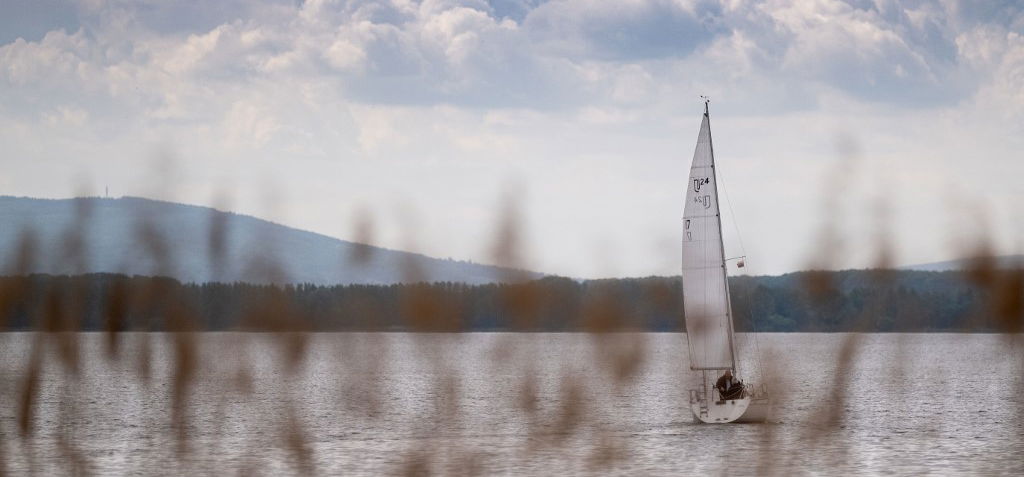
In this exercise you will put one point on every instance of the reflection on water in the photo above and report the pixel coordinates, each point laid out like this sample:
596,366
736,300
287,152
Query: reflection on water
483,403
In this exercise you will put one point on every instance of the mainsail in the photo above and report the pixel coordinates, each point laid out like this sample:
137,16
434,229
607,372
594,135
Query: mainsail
705,291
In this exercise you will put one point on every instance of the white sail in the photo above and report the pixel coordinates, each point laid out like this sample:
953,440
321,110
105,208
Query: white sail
705,291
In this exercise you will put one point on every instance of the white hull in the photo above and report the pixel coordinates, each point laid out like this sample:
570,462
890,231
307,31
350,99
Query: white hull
744,410
759,410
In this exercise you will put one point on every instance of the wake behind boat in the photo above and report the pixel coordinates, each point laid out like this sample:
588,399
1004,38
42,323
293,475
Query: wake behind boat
706,305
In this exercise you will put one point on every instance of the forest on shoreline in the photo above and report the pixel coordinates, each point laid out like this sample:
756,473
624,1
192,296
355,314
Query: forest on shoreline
814,301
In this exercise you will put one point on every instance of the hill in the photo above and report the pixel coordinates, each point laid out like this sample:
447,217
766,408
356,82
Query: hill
1003,262
192,244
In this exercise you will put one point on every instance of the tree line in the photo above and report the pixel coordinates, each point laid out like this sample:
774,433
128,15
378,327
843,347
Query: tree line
814,301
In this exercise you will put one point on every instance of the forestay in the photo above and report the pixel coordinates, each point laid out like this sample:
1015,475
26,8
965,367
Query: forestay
705,291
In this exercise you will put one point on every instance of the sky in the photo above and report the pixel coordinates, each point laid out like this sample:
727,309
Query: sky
841,128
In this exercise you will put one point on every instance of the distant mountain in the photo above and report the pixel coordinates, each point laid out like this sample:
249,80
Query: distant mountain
1005,261
136,236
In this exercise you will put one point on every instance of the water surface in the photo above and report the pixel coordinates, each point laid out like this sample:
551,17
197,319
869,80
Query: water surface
503,403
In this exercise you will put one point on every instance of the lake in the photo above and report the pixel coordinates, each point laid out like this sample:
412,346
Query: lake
504,403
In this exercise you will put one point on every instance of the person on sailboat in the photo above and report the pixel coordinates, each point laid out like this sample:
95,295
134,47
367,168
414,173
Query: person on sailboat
729,387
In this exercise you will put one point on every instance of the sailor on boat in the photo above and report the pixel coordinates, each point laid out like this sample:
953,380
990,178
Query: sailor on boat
729,387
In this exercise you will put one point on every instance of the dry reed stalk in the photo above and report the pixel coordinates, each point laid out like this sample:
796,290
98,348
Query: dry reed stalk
362,249
15,290
297,442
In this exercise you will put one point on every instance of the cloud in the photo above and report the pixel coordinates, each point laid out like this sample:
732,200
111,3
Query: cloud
997,57
57,57
552,55
628,30
344,55
879,52
66,115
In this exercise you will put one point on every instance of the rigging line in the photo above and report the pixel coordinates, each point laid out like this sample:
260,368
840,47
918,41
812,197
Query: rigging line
732,215
747,292
753,325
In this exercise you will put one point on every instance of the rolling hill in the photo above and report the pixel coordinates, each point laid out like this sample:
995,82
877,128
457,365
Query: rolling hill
136,236
1003,262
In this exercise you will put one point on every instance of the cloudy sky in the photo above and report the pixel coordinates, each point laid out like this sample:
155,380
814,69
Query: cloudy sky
852,120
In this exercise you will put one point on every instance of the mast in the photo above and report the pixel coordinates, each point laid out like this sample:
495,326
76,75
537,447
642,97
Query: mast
721,240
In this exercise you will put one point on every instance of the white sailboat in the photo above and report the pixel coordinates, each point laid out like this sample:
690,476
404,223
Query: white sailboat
706,305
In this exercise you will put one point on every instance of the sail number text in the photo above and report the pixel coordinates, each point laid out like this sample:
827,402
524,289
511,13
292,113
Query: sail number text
704,200
698,183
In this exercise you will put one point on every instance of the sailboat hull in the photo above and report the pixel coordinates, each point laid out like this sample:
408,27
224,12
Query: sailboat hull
745,410
759,410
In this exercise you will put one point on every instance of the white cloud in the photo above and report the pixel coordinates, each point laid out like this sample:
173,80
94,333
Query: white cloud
997,57
249,125
66,115
345,55
56,57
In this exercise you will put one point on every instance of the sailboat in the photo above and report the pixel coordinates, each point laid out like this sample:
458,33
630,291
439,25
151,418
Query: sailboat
706,306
